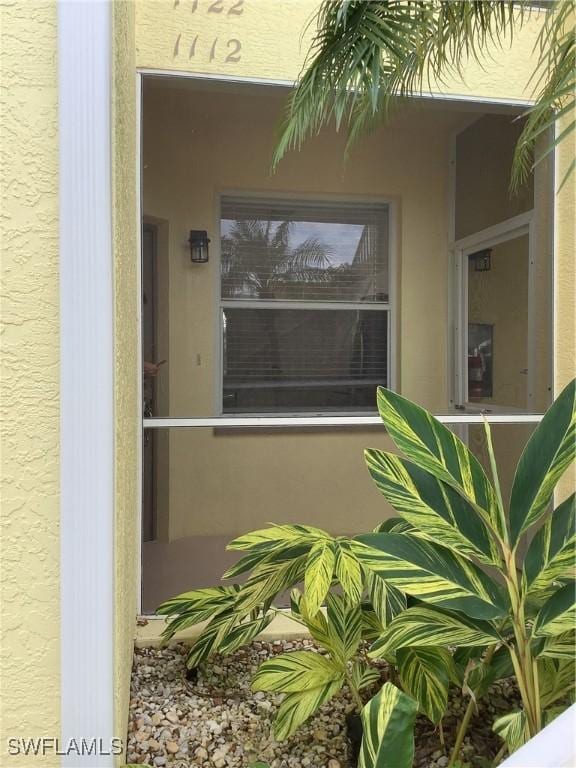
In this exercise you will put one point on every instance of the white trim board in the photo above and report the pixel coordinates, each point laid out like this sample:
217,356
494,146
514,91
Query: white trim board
282,83
335,420
87,385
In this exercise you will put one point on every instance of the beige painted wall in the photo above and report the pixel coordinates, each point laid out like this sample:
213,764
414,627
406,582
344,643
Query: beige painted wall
29,396
198,143
499,297
483,199
484,153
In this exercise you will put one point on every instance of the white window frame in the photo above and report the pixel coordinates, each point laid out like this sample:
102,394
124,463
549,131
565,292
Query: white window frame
510,229
383,306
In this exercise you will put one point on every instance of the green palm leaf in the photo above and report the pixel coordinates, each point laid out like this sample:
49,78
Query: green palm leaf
551,555
558,614
297,671
437,450
388,721
319,570
367,56
432,573
546,456
422,627
432,506
555,83
425,675
297,707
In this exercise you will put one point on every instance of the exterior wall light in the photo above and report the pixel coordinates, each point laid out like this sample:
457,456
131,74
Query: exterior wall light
198,241
481,260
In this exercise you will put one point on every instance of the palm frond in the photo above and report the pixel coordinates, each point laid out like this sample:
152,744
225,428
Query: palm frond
367,55
555,85
366,58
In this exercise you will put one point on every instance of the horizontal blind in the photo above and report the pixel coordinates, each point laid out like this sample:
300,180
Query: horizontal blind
289,359
304,250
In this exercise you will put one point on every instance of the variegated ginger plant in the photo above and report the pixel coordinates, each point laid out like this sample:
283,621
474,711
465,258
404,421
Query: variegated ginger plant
459,553
454,551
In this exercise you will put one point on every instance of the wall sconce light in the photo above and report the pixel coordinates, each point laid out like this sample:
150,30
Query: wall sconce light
198,241
482,260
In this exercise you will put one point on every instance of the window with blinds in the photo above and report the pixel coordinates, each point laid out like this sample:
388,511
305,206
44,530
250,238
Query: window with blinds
305,305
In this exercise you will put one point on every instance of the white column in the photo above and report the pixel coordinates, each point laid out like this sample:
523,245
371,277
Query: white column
554,747
87,437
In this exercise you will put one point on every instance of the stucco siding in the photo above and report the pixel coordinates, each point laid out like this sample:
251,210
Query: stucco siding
126,369
29,396
270,40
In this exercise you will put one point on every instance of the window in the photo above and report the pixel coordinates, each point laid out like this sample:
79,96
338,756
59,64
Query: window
305,305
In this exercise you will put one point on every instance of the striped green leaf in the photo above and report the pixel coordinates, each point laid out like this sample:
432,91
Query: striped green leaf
257,560
388,721
211,638
371,626
556,680
421,626
425,675
271,579
348,570
277,536
394,525
552,552
297,671
560,646
344,621
198,605
475,673
246,563
319,571
297,707
546,456
513,729
485,674
363,675
434,448
558,614
387,601
316,625
431,505
432,573
244,633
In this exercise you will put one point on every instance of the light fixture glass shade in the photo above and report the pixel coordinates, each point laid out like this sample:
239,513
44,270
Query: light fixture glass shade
198,242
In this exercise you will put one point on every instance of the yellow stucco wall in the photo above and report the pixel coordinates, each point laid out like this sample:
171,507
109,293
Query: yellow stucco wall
29,397
269,40
126,369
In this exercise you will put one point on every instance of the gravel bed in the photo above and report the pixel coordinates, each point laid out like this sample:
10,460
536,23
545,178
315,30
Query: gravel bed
214,720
